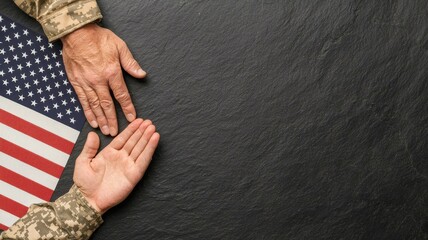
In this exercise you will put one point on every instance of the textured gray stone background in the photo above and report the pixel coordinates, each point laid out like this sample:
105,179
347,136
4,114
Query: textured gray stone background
279,119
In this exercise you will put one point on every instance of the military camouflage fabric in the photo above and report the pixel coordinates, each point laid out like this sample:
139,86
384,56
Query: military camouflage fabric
69,217
61,17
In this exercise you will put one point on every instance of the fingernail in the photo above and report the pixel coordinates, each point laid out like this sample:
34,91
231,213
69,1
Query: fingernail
130,117
113,132
93,124
104,130
141,72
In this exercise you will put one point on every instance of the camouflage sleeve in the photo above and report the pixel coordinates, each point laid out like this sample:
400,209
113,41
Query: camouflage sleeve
61,17
69,217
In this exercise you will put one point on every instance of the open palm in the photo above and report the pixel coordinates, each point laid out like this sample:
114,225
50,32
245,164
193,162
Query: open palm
107,178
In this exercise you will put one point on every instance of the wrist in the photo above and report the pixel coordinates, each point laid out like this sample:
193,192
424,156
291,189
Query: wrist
93,204
79,34
90,201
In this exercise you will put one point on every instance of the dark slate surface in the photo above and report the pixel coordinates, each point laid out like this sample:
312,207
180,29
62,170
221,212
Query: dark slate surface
279,120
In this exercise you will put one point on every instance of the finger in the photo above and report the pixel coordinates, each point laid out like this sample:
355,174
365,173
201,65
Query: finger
90,149
120,140
128,62
90,116
107,106
135,138
94,103
139,147
145,157
121,94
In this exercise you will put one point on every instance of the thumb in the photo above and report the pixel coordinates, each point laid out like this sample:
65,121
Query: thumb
128,62
90,148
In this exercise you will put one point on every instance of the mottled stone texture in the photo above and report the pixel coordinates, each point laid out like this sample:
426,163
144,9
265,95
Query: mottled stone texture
279,119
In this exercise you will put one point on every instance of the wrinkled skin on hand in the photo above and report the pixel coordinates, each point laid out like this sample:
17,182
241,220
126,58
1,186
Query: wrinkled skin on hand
94,58
106,179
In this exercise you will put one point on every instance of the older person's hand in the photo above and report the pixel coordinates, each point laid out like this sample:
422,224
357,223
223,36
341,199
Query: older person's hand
106,179
94,58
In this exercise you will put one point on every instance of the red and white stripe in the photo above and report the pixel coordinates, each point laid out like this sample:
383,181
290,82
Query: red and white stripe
34,150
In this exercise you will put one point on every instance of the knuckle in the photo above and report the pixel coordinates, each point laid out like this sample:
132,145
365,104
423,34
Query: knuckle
122,97
121,44
106,104
91,84
131,62
110,72
94,103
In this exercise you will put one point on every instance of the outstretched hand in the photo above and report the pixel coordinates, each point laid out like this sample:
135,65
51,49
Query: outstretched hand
94,58
107,178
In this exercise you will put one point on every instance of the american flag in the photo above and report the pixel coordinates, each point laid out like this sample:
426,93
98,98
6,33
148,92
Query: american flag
40,119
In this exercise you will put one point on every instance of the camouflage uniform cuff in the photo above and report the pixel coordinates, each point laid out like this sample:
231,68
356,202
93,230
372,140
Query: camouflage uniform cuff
69,18
76,215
